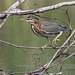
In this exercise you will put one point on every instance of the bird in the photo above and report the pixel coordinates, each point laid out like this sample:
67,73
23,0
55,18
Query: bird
45,29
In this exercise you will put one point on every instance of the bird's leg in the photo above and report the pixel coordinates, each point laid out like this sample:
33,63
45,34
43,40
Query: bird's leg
56,39
43,48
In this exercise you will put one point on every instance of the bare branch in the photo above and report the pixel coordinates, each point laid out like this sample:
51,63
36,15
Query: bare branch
4,21
61,61
16,4
40,10
47,65
14,11
69,46
60,73
69,20
41,68
26,47
12,8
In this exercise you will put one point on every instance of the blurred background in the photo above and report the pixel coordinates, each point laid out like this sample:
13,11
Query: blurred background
18,32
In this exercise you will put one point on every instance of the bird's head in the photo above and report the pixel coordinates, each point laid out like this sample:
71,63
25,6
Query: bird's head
32,19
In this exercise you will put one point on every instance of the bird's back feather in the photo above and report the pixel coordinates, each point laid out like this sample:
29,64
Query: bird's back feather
50,27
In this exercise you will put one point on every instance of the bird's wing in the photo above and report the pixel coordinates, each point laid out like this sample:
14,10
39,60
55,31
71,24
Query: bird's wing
50,27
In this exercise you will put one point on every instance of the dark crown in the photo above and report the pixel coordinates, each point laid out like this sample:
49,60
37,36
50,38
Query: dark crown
33,17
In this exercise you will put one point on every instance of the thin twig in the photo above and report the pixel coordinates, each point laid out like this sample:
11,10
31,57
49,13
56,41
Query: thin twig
64,52
4,21
61,61
40,69
14,11
69,46
53,19
26,47
69,20
12,8
61,46
40,10
57,52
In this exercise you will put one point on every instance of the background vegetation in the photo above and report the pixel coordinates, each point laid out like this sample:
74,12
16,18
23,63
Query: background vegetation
15,31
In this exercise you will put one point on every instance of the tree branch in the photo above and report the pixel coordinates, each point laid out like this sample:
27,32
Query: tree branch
26,47
68,47
13,8
47,65
41,68
39,10
14,11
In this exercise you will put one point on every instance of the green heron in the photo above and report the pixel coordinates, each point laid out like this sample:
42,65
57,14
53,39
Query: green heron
45,29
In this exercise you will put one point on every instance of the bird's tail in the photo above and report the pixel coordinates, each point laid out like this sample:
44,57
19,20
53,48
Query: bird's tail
64,28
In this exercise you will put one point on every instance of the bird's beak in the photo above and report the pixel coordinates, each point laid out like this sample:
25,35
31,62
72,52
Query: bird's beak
26,19
23,19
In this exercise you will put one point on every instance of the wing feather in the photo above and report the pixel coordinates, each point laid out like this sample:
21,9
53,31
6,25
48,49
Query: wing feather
50,27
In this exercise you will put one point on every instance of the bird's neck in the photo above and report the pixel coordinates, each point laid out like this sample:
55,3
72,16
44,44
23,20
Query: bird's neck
37,23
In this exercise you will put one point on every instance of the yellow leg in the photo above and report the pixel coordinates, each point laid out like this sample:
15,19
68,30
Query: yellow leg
56,39
43,48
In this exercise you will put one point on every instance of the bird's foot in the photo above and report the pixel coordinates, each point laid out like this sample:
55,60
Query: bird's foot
54,42
44,47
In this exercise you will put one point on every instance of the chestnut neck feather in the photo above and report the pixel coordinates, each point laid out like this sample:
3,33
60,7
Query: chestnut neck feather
37,23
